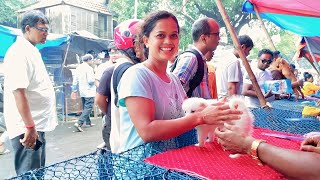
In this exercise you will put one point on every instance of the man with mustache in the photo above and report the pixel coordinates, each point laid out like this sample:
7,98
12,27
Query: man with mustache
29,97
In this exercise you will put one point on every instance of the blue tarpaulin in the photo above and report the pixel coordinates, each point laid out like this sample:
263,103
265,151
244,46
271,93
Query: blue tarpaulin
8,36
56,46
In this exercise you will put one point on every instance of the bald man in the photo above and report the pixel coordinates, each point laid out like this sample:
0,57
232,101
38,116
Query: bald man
206,36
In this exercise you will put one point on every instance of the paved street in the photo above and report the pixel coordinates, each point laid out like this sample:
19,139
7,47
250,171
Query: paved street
62,144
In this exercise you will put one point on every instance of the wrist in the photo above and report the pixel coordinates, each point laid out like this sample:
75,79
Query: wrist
32,126
254,150
199,118
248,143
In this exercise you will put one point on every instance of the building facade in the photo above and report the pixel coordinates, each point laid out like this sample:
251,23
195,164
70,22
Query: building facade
67,16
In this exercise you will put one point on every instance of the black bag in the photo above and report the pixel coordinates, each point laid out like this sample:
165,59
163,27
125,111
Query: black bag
117,74
196,80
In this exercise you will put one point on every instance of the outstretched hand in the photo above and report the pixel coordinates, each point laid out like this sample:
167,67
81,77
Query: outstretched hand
232,139
219,113
311,144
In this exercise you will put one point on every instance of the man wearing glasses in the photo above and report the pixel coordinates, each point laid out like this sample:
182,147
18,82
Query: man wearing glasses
262,74
205,35
29,98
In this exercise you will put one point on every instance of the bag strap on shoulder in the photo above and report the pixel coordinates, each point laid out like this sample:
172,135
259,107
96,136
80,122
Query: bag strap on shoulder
196,80
117,74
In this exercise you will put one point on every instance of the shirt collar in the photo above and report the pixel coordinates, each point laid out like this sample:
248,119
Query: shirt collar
194,47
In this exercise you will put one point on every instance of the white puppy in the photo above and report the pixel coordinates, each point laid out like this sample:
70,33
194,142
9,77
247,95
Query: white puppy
245,124
204,131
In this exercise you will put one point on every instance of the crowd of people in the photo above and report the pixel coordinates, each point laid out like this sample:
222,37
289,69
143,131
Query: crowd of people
140,94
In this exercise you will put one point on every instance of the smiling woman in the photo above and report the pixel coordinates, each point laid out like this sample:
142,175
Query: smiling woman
150,99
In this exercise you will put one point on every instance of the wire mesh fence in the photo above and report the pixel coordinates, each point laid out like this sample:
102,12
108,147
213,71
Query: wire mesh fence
103,164
286,104
285,121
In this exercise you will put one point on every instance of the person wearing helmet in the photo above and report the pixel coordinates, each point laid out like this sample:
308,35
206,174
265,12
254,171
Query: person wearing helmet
130,49
151,99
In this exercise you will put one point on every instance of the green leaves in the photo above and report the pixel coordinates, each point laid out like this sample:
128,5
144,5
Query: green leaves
8,15
187,11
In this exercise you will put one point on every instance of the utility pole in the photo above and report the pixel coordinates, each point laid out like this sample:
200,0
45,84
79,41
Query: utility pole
135,16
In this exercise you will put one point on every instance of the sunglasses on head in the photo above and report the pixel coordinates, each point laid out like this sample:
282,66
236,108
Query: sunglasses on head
266,61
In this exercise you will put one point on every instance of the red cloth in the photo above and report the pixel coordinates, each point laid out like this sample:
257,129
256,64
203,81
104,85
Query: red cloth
211,162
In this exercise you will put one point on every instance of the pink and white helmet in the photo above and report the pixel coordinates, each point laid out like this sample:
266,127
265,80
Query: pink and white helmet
124,33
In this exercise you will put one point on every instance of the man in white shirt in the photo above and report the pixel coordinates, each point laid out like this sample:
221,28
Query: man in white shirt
229,71
29,98
84,82
262,74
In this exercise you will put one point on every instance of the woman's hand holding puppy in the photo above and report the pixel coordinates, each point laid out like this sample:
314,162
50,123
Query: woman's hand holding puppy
217,114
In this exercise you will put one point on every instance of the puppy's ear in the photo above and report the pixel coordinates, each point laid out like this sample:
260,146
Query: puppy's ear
236,106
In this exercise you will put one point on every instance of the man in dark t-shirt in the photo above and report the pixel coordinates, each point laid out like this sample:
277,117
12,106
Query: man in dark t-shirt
103,100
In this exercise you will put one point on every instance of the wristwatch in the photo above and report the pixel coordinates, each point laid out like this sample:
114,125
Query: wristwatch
254,147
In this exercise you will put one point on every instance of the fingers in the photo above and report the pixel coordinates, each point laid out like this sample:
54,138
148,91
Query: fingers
227,112
306,141
223,107
218,132
29,144
23,140
231,122
29,140
228,126
310,148
311,140
221,133
223,100
220,120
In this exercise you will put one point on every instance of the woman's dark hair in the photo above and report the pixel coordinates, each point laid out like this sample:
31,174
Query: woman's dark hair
31,18
307,76
130,53
150,22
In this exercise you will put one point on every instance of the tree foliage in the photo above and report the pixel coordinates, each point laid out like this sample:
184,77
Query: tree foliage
187,12
8,15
